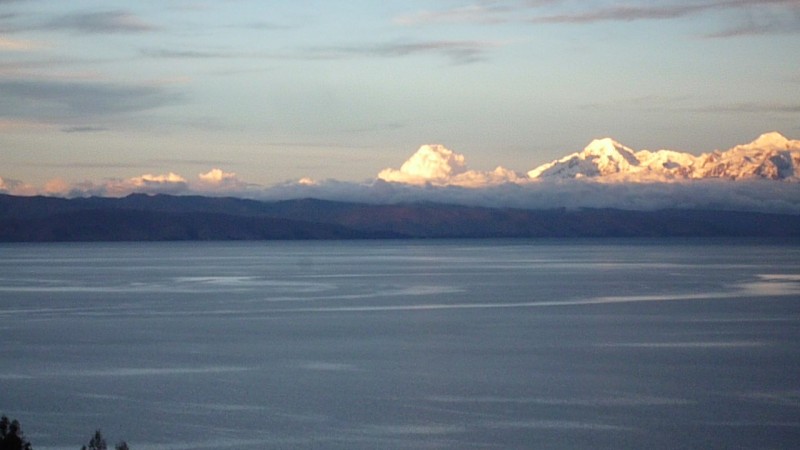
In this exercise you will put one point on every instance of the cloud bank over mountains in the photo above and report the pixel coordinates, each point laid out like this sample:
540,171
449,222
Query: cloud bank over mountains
763,175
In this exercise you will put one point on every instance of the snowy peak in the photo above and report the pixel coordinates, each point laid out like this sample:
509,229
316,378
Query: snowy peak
768,141
606,147
609,156
601,157
770,156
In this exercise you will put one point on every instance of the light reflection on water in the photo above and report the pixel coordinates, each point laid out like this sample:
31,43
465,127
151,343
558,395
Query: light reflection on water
413,344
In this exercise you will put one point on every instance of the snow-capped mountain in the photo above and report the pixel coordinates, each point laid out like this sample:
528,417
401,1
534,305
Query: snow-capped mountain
771,156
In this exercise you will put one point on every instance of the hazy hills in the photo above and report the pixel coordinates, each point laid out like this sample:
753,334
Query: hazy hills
141,217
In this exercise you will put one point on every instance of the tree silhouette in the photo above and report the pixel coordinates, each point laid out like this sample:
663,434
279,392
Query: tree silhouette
96,443
11,437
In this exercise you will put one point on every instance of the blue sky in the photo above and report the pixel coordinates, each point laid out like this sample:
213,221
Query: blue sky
280,90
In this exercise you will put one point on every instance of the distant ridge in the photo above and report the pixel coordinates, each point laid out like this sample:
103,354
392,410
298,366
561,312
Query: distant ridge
140,217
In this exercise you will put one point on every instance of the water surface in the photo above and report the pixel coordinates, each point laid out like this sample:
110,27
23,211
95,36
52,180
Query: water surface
403,344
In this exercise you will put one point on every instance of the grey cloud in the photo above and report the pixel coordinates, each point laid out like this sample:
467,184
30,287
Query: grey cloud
460,52
757,16
161,162
83,129
763,22
470,13
100,22
483,12
751,108
185,54
53,100
267,26
85,165
624,13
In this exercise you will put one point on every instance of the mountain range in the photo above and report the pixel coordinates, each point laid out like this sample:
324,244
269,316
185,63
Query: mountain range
770,156
140,217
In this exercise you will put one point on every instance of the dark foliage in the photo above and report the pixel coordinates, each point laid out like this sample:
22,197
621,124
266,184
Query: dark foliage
11,436
98,442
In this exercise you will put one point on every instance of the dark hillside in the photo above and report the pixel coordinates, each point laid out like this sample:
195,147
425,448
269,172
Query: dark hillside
164,217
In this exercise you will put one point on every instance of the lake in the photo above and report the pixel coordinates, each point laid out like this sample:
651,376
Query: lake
481,344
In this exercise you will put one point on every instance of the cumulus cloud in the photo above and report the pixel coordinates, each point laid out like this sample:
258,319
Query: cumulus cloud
216,176
440,166
217,180
430,164
16,187
213,182
170,183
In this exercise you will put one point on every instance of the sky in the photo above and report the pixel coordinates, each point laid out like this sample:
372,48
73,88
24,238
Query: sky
256,93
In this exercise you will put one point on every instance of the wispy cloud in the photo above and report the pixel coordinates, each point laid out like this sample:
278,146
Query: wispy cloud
14,125
757,16
18,45
625,13
46,99
783,18
751,107
459,52
84,129
101,22
185,54
475,13
482,12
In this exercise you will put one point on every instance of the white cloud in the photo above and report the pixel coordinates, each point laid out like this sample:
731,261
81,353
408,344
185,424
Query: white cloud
216,176
440,166
715,194
214,182
437,174
16,187
148,179
57,187
170,183
433,164
217,181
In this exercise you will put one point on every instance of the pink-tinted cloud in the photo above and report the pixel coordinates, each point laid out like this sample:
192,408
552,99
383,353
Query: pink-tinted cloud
17,45
440,166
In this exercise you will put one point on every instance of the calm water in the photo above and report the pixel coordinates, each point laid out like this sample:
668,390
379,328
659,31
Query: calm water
413,344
